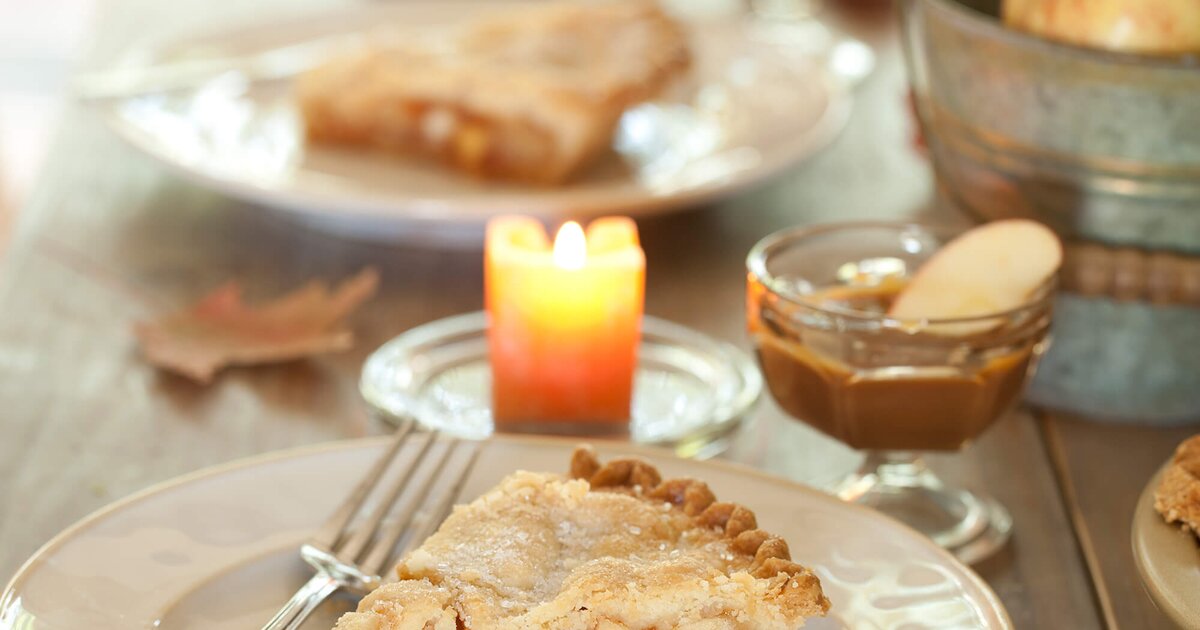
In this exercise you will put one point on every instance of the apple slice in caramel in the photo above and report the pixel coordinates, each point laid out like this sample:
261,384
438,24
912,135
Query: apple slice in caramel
990,269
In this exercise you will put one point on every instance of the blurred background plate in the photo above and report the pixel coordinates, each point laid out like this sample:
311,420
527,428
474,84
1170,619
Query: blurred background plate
751,107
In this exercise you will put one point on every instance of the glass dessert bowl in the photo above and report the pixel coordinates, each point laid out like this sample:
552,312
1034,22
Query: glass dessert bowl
893,387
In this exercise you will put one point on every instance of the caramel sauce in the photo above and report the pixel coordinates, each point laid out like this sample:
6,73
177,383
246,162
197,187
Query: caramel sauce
891,390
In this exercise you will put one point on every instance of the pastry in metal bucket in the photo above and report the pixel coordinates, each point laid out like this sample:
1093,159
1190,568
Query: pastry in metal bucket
1105,148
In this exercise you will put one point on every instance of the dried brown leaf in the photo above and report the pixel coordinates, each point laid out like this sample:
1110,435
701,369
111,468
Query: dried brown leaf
221,330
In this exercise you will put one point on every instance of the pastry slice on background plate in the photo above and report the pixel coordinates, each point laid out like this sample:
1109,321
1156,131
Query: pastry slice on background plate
530,94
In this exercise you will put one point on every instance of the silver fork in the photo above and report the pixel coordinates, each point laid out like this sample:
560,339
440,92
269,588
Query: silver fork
353,559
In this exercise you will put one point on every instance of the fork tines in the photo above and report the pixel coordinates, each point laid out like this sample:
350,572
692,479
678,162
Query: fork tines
430,471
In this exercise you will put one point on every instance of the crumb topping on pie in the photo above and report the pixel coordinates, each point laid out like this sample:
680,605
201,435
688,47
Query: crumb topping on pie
531,94
608,547
1178,495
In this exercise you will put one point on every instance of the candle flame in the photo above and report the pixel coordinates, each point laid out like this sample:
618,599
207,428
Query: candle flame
570,247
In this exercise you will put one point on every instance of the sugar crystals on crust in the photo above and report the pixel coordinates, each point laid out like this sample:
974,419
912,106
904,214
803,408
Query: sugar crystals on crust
608,547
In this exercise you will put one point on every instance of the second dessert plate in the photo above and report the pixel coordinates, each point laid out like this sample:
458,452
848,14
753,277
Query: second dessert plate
217,549
1168,559
751,107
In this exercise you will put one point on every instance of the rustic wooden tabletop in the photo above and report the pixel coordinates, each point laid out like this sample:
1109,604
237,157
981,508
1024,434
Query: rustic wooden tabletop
84,421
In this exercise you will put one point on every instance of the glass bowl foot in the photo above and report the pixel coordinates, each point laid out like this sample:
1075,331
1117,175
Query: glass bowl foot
970,525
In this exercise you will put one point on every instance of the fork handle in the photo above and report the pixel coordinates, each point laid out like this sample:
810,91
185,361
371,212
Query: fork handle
306,600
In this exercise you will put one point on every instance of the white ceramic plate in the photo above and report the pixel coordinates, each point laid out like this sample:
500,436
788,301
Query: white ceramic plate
217,549
751,107
1168,559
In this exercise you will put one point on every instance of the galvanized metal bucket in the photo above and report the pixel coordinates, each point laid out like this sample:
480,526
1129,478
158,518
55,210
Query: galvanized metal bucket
1103,147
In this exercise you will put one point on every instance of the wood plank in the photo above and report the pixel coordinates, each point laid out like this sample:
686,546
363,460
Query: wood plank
1104,468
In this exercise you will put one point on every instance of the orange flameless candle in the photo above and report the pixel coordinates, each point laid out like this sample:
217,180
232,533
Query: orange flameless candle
565,323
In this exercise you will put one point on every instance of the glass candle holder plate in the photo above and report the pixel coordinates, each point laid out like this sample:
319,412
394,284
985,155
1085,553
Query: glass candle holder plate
690,391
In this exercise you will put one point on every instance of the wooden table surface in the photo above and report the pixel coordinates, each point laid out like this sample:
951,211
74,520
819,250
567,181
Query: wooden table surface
108,232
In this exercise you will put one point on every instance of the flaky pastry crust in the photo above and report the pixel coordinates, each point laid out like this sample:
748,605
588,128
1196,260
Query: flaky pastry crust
608,547
1177,498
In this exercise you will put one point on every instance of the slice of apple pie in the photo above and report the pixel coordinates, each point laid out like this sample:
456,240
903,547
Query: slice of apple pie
609,547
1177,497
532,94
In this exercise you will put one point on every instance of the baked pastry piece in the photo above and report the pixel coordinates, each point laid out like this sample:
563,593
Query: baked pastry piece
610,547
1154,27
1178,495
532,94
